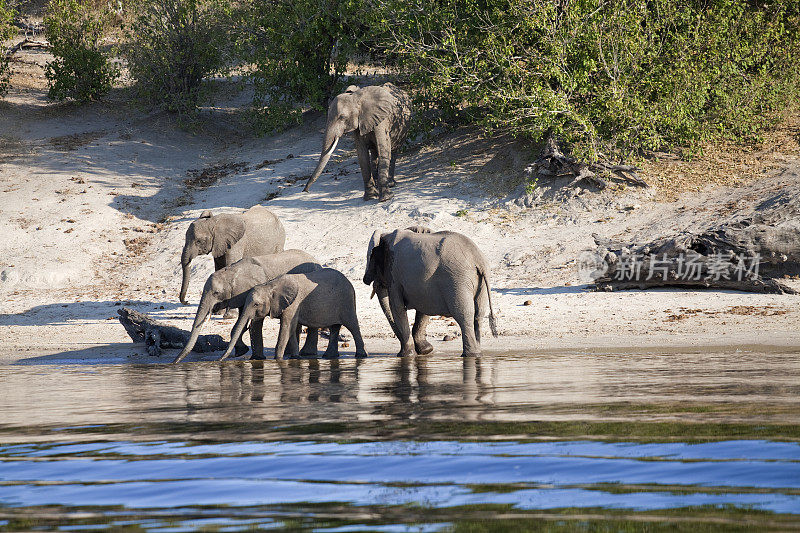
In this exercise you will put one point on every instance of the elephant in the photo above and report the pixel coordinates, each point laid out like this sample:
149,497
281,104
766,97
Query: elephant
436,273
378,116
322,298
228,288
229,238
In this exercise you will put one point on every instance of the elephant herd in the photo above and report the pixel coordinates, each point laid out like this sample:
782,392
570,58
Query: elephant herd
435,273
441,273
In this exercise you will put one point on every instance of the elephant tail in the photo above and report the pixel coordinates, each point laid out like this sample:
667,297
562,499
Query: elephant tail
492,319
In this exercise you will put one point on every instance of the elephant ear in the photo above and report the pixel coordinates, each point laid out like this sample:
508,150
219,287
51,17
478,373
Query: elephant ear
228,230
377,257
377,104
282,297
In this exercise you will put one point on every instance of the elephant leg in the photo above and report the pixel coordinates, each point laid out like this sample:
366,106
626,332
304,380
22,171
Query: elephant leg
365,162
310,347
241,347
465,318
256,339
293,346
384,149
392,161
352,326
400,315
418,332
333,342
285,335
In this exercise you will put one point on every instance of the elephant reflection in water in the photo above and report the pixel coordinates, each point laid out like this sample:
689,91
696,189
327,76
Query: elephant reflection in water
315,380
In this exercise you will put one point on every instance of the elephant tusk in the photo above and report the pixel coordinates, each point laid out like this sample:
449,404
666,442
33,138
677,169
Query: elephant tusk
373,292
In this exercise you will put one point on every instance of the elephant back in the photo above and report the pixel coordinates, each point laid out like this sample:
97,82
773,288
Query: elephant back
264,233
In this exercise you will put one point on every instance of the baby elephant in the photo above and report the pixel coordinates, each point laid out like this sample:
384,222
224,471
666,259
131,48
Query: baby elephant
227,288
323,298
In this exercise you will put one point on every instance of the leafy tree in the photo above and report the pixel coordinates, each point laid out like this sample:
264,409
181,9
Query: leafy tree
80,69
300,51
7,31
610,78
173,45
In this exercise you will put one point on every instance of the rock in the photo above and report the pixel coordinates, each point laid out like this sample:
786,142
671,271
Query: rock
449,337
527,302
345,345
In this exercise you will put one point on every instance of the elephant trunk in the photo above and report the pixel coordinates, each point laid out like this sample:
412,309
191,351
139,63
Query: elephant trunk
245,316
331,140
203,312
186,261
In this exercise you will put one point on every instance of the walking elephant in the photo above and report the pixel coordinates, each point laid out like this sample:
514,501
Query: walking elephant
228,288
322,298
230,237
442,273
378,116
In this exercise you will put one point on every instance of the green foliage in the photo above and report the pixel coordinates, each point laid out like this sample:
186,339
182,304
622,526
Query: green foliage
300,50
173,45
7,31
80,69
610,78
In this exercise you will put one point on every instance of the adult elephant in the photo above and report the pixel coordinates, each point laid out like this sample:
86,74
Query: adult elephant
378,116
230,237
442,273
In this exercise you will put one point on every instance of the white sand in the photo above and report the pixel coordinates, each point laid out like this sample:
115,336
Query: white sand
78,182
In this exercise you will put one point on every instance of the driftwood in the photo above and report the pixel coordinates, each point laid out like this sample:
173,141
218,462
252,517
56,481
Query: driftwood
26,43
552,163
745,253
157,335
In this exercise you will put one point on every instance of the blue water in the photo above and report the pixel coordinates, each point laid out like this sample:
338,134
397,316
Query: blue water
397,445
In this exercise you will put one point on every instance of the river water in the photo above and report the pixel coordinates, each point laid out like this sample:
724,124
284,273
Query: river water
548,441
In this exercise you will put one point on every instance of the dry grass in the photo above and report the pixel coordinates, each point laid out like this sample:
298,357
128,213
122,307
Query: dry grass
725,163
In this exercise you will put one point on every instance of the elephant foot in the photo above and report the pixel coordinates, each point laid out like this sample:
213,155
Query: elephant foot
308,353
471,354
241,350
371,195
392,182
230,313
327,355
408,352
386,195
257,357
423,347
361,355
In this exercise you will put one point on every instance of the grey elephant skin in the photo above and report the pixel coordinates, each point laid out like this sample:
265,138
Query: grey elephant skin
442,273
228,288
323,298
230,237
378,116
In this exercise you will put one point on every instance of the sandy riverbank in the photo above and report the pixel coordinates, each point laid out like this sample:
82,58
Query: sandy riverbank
96,199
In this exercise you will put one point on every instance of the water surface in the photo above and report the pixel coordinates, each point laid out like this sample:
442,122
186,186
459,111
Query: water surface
695,441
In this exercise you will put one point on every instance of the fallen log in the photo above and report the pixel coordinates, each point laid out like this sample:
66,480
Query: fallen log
157,335
756,245
740,257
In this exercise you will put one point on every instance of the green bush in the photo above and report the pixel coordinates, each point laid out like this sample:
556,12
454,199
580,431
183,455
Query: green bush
173,45
7,31
80,69
300,51
609,78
